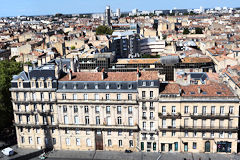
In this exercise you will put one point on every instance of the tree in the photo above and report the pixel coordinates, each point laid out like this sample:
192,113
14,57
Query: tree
186,31
102,30
198,30
73,47
7,70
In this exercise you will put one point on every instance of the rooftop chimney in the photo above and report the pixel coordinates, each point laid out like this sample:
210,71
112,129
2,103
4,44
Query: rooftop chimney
56,71
138,73
199,90
25,68
43,59
70,75
39,62
180,91
104,74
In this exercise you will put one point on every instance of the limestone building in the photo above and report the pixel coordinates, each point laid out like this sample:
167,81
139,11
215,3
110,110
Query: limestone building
58,108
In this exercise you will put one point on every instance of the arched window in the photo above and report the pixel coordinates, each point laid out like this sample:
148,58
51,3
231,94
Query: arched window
119,120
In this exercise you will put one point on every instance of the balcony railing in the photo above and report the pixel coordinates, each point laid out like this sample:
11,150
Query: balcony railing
209,115
152,108
170,116
144,138
100,101
144,117
152,138
209,128
94,126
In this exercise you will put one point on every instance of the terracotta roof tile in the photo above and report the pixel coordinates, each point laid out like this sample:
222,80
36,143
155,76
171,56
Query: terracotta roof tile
111,76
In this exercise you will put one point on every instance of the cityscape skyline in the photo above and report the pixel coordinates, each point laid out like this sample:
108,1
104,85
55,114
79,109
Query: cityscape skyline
32,7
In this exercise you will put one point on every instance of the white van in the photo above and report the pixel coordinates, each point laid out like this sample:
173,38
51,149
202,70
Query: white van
8,151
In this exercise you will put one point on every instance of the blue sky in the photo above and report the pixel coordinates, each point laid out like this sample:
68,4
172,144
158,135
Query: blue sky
40,7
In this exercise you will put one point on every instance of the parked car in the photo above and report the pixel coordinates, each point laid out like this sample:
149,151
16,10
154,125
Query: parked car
8,151
128,151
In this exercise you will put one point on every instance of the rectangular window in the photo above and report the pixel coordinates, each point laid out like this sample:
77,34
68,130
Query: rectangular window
212,110
76,120
97,109
85,96
163,133
86,109
173,110
96,96
119,132
130,143
222,110
174,123
144,125
143,94
108,109
97,120
119,109
204,110
107,97
129,109
78,141
151,94
118,97
164,123
67,141
54,141
195,111
231,110
63,96
163,147
75,109
129,96
74,96
185,109
130,121
38,140
173,133
65,119
120,143
22,139
86,119
186,134
152,128
176,146
164,110
194,145
64,109
109,143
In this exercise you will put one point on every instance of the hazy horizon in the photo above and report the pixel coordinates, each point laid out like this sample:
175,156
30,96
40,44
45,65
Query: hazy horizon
49,7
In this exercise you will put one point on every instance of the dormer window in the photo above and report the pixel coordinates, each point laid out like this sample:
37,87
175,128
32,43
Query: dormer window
20,84
219,93
96,86
33,84
64,86
40,84
152,83
107,86
75,86
144,83
119,86
130,86
49,84
85,86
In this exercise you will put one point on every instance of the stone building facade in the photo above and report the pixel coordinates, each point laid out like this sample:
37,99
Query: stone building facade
65,110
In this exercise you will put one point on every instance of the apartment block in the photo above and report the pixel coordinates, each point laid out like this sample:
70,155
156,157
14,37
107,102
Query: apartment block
58,108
